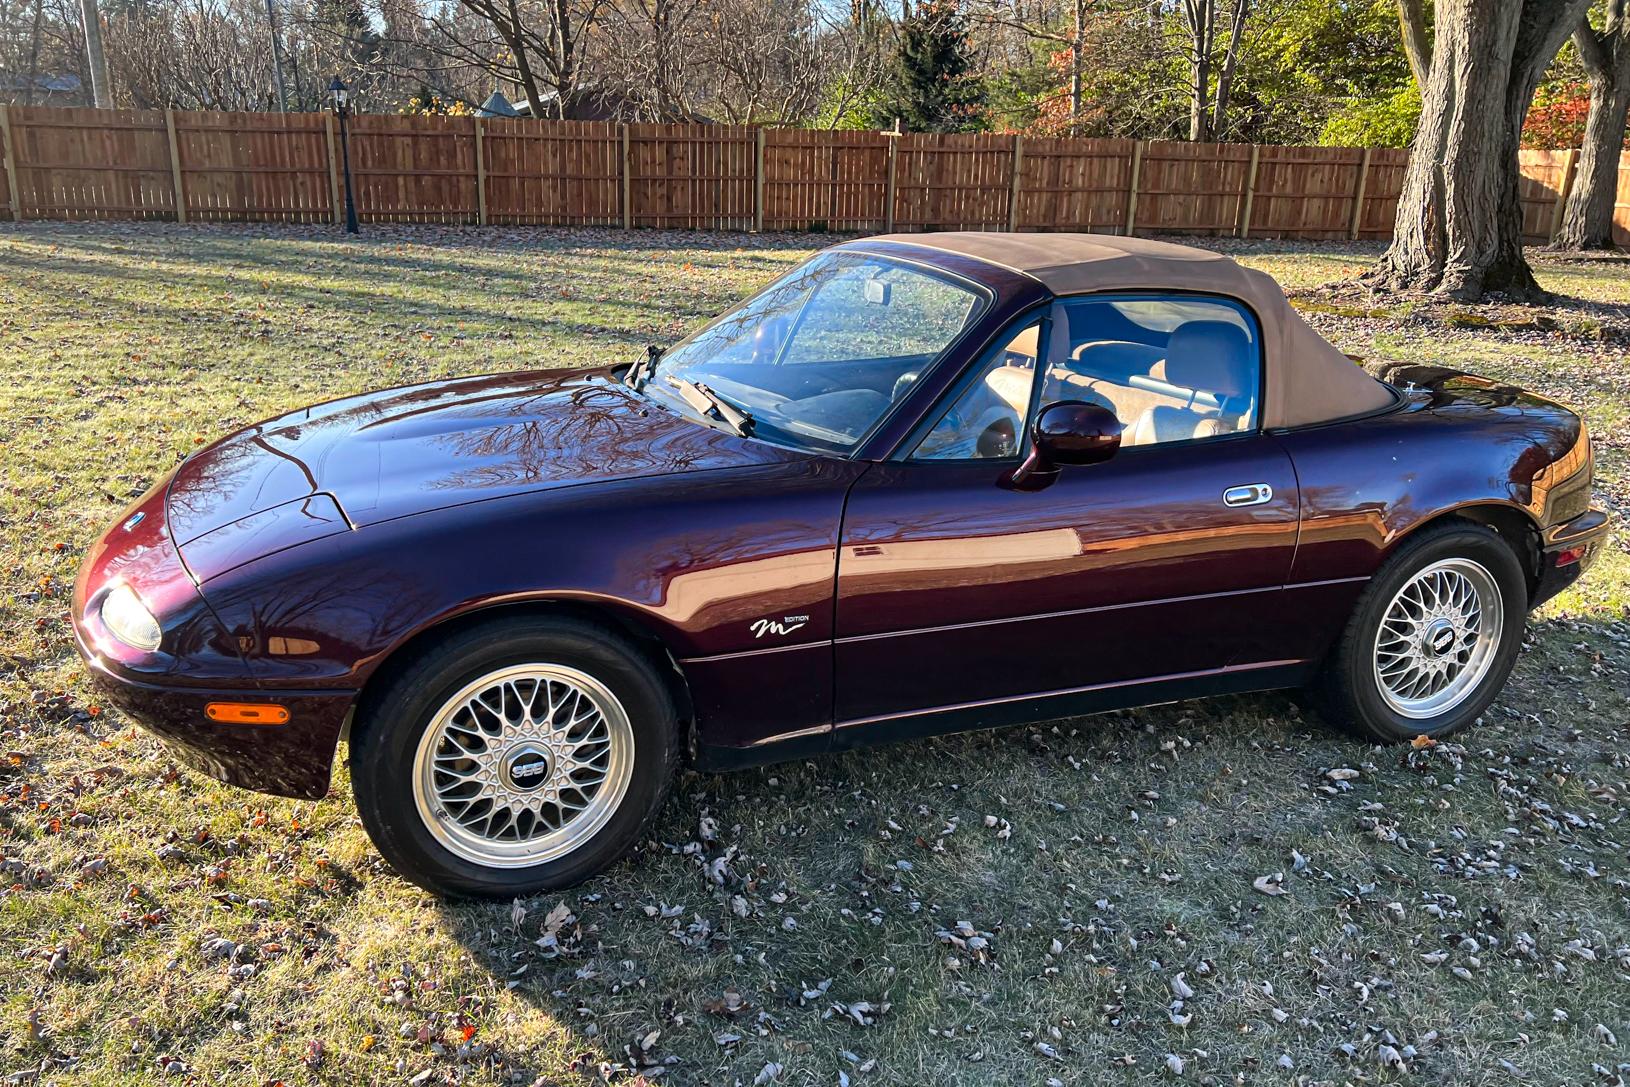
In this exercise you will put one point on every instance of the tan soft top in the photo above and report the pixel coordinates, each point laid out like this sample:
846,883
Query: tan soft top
1306,379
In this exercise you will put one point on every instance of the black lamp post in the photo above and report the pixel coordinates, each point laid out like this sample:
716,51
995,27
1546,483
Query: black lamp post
342,99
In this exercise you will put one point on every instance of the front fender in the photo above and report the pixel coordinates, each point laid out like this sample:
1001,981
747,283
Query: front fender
697,560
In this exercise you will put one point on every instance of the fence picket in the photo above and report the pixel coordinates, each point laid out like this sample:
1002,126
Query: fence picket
8,145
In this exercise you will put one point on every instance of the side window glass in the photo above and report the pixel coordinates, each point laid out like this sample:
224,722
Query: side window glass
1171,369
987,420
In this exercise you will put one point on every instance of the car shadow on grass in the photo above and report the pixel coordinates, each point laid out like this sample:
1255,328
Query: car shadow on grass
939,906
785,886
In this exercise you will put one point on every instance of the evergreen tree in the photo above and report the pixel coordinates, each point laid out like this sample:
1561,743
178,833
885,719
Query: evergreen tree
932,85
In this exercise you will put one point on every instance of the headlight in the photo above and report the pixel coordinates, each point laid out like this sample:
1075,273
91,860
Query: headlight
128,621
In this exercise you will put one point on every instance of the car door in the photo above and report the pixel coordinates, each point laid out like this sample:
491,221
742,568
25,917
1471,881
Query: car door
957,591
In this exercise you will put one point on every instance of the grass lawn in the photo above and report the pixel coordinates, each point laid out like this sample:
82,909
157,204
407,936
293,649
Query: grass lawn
1459,914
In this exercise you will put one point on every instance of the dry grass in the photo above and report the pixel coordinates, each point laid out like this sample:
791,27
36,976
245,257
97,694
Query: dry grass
1458,914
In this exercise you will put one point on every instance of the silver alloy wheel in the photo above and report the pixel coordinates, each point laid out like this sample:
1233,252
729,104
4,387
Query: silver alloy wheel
1438,638
523,765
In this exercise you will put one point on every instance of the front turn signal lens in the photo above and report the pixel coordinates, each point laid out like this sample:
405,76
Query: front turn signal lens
247,713
128,619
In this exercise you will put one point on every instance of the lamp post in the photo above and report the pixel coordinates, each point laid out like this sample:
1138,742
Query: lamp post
342,98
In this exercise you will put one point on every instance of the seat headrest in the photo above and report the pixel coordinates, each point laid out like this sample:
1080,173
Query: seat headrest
1210,356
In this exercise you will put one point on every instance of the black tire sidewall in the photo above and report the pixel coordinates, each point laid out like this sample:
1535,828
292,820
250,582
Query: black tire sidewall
386,735
1354,690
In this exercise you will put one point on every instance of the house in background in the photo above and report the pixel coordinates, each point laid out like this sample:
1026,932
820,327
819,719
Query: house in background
43,90
497,105
586,104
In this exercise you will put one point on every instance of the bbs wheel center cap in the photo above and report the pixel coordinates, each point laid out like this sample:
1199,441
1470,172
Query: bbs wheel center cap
527,767
1439,637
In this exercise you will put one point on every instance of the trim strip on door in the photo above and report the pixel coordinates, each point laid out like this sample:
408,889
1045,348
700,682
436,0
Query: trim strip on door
855,638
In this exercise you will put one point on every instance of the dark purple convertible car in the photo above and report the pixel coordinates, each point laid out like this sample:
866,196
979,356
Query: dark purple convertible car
919,484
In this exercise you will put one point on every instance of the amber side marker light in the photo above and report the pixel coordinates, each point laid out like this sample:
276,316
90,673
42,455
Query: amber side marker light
247,713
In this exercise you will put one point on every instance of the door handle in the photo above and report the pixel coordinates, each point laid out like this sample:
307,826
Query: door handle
1249,494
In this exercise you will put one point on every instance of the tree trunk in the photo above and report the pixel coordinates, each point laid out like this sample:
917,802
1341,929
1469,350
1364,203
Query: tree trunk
1077,41
563,37
1412,27
34,54
101,92
1587,220
1459,226
277,57
514,35
1202,16
1541,30
1225,78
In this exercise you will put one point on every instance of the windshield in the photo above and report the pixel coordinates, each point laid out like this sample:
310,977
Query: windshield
817,358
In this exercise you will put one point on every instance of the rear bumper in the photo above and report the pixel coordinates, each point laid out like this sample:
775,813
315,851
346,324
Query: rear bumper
1568,551
292,759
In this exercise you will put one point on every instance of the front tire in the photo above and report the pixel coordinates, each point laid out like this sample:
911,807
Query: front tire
1432,639
521,755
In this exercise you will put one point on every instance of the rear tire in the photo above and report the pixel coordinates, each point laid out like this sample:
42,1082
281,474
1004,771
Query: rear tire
1433,638
521,755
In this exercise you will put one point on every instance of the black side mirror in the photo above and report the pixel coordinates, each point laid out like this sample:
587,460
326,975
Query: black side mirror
1068,432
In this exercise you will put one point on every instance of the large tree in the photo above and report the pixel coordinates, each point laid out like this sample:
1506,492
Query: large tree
934,87
1459,227
1587,221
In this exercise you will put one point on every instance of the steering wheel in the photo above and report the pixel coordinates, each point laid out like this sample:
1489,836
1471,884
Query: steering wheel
999,439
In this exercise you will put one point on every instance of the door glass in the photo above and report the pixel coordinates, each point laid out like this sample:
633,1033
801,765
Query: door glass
1171,369
987,420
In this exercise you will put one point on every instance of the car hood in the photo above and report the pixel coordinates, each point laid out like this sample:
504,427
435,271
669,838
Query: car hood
364,459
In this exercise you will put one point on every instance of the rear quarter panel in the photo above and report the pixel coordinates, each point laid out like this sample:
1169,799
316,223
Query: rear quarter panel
1459,443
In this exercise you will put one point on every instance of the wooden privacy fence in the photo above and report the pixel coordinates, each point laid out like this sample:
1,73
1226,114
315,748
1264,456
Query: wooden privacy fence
270,167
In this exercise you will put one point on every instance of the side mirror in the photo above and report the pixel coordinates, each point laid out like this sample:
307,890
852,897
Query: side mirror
1068,432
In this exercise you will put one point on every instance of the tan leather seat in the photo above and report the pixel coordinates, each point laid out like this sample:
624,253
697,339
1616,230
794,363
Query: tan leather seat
1116,360
1165,424
1213,362
1127,402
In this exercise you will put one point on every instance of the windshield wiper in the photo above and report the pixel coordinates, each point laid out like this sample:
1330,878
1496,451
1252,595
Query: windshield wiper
708,402
639,373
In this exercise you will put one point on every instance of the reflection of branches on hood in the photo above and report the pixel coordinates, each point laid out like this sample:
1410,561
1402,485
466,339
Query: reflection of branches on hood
579,434
198,488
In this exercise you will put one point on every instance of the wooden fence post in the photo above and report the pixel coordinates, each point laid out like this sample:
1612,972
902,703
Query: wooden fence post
480,175
1358,196
1248,197
888,190
628,187
758,183
175,166
1569,163
1132,188
1013,191
333,169
9,140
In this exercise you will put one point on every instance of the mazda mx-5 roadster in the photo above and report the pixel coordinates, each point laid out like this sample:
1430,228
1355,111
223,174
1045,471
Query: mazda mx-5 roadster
919,484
